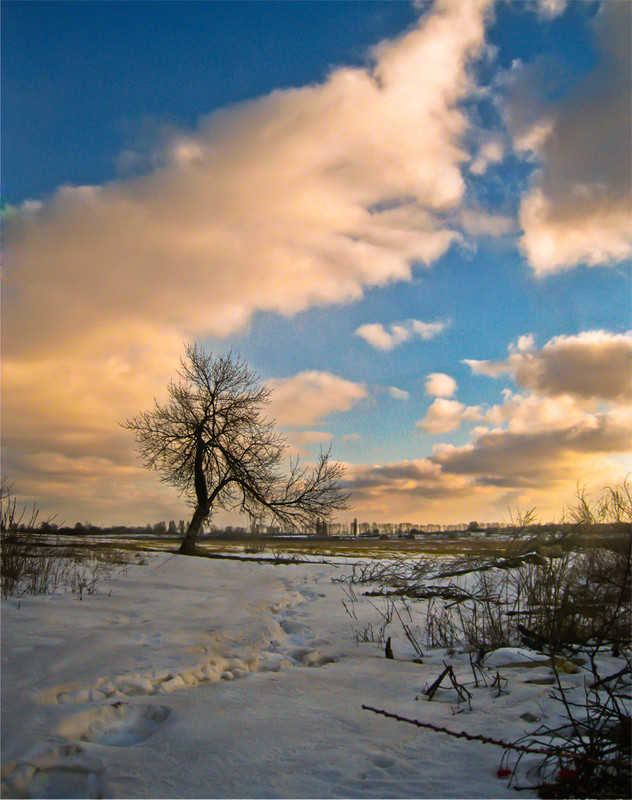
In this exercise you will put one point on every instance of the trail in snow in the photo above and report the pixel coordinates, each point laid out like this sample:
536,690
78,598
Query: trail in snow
207,678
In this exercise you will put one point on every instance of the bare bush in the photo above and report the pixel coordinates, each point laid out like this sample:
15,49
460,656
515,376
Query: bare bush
31,566
563,590
25,566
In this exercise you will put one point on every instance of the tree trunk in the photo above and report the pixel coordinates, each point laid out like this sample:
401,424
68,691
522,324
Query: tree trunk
187,548
203,507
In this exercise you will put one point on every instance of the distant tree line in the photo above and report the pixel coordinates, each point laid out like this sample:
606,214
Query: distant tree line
161,528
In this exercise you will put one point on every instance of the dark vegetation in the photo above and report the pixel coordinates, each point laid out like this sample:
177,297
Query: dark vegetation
562,593
32,563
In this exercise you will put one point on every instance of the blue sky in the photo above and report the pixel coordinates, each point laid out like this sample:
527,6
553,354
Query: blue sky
412,220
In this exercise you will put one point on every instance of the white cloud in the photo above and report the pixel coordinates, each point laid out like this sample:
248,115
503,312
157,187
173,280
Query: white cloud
448,415
490,152
399,394
579,206
385,339
438,384
308,397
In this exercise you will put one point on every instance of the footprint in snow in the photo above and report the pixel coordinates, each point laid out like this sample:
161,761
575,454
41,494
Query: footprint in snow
382,760
291,626
310,657
118,724
53,770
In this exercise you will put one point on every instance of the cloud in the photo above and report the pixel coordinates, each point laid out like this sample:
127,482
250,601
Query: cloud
301,198
579,205
534,456
549,9
491,152
398,394
302,443
480,223
535,461
448,415
358,174
571,421
438,384
557,432
382,339
418,491
532,413
416,479
308,397
593,365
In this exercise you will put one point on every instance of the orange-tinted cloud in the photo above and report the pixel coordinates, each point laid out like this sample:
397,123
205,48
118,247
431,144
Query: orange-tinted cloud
300,198
309,397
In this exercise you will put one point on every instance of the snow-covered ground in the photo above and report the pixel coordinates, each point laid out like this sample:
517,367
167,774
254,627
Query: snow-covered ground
191,677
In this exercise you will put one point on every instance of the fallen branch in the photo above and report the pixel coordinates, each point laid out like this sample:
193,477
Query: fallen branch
460,690
521,748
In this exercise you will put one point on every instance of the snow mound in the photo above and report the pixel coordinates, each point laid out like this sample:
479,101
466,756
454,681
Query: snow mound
514,656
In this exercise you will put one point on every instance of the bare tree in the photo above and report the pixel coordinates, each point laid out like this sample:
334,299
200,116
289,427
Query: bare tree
212,442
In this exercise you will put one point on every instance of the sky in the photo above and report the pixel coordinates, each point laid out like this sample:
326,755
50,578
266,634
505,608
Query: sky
413,220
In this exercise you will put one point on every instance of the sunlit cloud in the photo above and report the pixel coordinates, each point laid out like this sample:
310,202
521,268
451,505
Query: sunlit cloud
477,223
387,339
309,197
304,399
447,415
545,454
301,198
358,174
303,444
491,152
549,9
438,384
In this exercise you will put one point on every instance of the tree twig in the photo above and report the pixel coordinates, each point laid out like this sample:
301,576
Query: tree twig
521,748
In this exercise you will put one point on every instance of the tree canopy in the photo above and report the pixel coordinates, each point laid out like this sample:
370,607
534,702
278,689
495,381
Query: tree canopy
212,441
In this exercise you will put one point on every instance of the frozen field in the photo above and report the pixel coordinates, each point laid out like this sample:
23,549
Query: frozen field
190,677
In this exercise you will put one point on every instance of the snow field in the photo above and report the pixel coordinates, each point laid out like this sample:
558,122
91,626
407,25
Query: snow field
107,717
208,678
